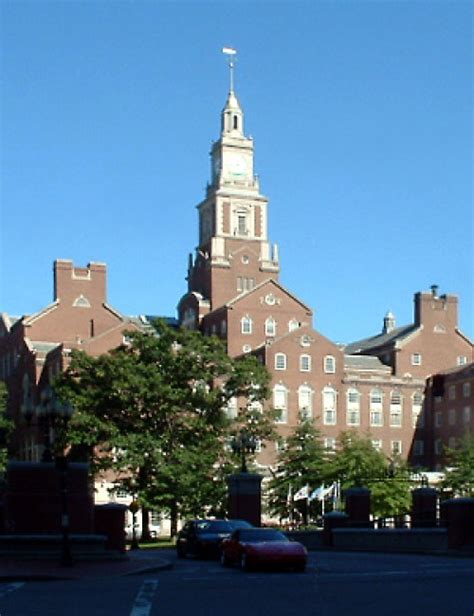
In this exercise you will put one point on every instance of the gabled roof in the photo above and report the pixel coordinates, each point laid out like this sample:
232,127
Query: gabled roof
267,281
381,340
28,320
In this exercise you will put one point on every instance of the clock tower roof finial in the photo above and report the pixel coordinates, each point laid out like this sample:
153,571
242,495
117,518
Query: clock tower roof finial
232,116
231,53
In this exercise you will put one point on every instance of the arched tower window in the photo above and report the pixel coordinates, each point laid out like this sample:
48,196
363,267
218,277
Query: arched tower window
236,122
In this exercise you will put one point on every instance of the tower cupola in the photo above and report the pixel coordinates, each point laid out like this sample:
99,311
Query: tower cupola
232,117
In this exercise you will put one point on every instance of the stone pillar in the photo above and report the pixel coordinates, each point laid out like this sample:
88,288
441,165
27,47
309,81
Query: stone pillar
331,520
424,508
459,516
358,507
109,520
245,498
33,498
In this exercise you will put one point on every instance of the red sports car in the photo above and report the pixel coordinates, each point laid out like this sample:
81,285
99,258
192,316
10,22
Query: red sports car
262,547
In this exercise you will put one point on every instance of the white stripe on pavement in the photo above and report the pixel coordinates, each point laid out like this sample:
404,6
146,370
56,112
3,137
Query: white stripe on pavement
142,604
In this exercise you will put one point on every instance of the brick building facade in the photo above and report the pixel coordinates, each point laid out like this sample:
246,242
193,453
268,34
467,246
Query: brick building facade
34,348
376,385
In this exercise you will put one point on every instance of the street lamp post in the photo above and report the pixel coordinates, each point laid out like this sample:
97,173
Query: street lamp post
244,443
49,412
134,507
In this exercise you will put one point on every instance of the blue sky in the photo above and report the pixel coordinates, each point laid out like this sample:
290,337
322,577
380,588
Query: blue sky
361,113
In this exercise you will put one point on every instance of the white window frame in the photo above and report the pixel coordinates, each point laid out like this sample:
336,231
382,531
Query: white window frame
246,325
329,443
396,447
377,444
305,401
329,411
396,409
416,359
329,364
305,358
280,361
281,405
293,324
270,327
376,408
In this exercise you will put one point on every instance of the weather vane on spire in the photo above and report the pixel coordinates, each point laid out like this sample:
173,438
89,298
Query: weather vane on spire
230,52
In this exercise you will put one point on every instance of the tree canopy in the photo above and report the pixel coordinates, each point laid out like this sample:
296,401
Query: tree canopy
459,478
154,410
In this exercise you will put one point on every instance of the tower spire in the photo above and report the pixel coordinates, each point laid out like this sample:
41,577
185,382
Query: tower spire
230,52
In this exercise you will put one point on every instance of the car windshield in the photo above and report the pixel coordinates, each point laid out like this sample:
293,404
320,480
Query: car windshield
257,535
213,526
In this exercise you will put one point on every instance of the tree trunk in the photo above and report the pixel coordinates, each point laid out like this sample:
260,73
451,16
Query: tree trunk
145,524
174,518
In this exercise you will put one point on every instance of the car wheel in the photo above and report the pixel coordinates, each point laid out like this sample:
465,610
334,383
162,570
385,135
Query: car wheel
244,563
224,560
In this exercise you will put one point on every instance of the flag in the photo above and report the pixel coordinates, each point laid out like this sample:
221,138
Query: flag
321,492
302,493
230,51
317,493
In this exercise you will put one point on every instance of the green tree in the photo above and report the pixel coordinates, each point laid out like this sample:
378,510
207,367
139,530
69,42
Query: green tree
358,464
153,410
301,462
6,427
459,478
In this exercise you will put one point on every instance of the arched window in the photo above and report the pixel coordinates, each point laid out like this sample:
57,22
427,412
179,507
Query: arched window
246,325
280,403
329,364
270,327
293,324
280,361
305,401
236,122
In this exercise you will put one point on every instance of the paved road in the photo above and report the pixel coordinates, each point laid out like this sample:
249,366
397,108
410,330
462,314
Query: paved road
335,584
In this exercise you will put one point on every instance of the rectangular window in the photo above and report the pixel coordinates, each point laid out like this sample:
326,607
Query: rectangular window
462,359
395,417
416,359
377,444
466,390
438,419
452,392
330,443
438,447
452,417
329,364
466,415
305,363
353,417
396,448
280,361
376,417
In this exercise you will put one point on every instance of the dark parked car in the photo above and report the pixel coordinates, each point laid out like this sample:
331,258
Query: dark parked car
262,547
202,538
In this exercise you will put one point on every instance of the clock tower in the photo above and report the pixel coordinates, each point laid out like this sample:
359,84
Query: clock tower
233,254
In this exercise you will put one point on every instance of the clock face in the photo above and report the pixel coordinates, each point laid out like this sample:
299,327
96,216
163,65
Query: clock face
237,164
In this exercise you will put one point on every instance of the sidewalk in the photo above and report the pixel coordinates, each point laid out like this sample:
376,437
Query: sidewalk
136,563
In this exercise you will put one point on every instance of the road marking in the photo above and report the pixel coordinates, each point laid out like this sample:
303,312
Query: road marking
143,601
7,588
